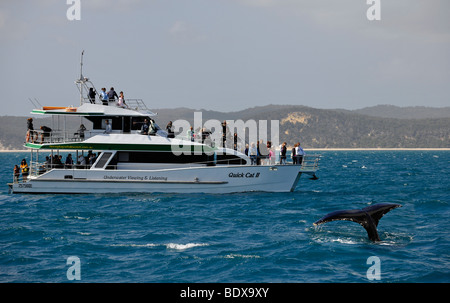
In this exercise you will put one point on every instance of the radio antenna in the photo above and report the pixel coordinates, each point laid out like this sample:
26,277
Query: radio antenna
81,65
29,99
38,102
81,80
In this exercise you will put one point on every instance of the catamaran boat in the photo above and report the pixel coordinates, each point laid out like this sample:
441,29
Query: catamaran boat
130,161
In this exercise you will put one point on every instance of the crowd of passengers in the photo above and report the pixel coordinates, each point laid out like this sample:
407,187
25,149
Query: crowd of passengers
56,161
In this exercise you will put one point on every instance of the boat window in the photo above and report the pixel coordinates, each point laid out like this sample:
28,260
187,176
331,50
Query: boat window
118,122
230,159
137,122
124,157
162,157
103,159
126,124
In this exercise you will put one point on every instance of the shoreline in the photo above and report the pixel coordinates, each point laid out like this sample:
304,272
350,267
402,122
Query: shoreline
311,149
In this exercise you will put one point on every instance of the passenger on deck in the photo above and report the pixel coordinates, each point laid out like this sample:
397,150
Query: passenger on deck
294,154
108,128
121,102
69,161
112,95
25,169
271,155
253,152
226,135
191,134
145,127
299,153
16,173
81,131
206,133
91,95
170,133
271,160
104,96
46,131
92,158
283,153
57,163
30,131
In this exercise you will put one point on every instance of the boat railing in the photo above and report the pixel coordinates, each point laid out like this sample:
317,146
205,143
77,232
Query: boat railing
198,138
37,168
133,104
43,137
310,162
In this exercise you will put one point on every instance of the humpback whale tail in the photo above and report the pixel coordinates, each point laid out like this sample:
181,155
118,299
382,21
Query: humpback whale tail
368,217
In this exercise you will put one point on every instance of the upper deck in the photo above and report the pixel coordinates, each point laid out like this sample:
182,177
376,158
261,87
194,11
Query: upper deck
136,107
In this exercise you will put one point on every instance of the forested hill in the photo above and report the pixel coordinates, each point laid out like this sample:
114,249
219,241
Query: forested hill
314,128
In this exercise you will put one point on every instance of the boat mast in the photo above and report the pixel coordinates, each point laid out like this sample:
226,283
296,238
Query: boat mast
81,78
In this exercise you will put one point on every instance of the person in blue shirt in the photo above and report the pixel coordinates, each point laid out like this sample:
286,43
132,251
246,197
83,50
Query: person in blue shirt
104,96
191,134
108,128
145,127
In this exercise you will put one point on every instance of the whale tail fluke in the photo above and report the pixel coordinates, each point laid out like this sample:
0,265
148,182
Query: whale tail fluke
368,217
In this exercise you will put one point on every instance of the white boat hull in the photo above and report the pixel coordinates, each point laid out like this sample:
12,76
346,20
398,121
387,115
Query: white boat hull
216,179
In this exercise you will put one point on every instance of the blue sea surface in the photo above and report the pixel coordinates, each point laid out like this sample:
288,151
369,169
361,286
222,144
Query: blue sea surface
242,237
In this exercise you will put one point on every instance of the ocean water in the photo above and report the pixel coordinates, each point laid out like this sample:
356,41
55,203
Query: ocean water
239,238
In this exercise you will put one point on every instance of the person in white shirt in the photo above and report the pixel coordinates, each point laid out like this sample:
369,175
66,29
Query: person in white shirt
121,102
299,153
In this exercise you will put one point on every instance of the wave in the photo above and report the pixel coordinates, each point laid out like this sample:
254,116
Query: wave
172,246
184,246
234,256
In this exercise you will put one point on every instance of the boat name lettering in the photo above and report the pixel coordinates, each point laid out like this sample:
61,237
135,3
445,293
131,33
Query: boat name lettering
243,175
25,185
139,178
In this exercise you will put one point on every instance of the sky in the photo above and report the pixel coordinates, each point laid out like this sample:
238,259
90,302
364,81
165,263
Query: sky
227,55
